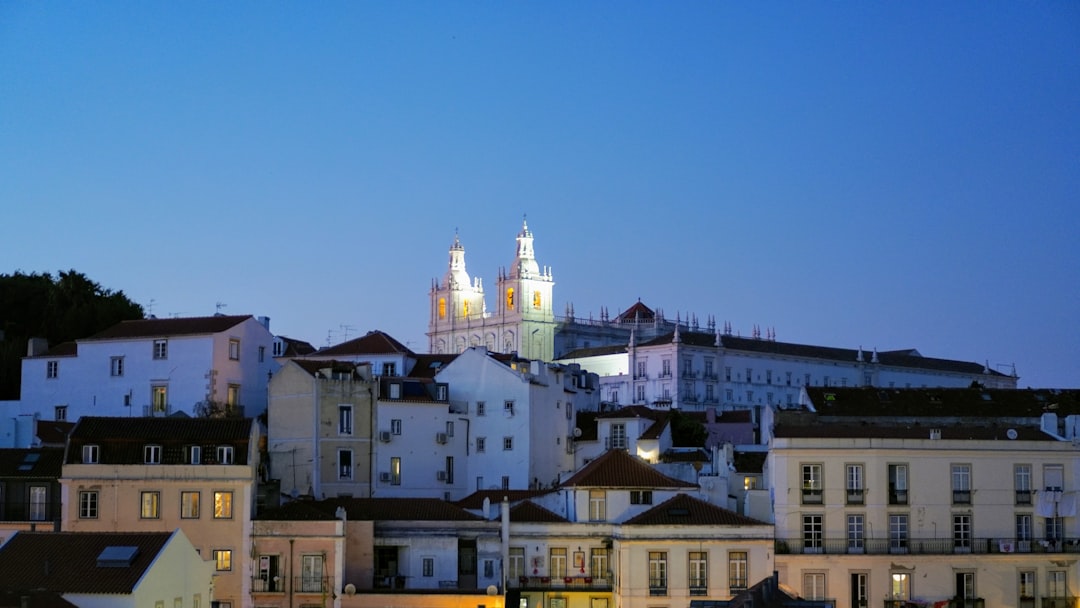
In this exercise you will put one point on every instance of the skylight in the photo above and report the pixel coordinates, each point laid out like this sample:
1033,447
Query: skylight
117,556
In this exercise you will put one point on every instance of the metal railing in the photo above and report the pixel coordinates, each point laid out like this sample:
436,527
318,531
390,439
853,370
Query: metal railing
542,583
274,584
816,545
312,584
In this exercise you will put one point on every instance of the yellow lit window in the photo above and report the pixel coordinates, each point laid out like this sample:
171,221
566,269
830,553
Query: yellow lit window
536,299
442,308
222,505
510,298
465,308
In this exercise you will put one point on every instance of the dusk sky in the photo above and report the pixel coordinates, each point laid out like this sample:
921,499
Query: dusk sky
885,175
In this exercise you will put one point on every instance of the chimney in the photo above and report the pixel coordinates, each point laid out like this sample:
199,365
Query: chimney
36,346
265,322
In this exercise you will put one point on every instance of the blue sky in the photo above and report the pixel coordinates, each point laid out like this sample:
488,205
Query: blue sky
889,175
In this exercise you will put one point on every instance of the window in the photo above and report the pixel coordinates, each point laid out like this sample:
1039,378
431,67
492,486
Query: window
961,484
222,559
729,395
856,533
395,471
516,567
234,349
1054,527
806,380
262,354
642,370
557,562
88,505
60,413
598,560
395,426
1053,477
442,308
189,505
52,369
657,573
39,503
395,390
898,533
737,571
481,408
899,585
225,454
749,374
223,505
1056,586
727,374
709,373
152,454
449,428
898,484
1026,587
860,590
1022,483
159,398
665,365
961,533
641,497
639,393
449,469
855,484
965,587
597,505
195,454
389,368
618,436
811,484
508,443
699,573
536,300
509,298
161,349
345,464
232,396
768,376
788,378
116,366
150,505
508,408
1024,528
812,533
813,585
345,419
90,454
428,567
506,482
481,444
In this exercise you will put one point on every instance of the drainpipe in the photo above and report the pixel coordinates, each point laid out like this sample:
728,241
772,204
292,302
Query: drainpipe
504,512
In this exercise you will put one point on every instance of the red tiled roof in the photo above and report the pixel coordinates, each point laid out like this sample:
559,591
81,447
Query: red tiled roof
636,312
685,510
66,562
475,500
374,509
428,365
618,469
181,326
54,432
531,512
633,411
122,440
372,343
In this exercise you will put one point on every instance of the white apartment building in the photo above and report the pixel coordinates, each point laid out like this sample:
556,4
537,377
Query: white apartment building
885,496
516,418
693,370
152,367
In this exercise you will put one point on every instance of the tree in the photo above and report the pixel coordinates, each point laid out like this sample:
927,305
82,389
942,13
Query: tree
63,308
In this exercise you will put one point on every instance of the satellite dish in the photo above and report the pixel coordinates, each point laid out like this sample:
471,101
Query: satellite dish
577,432
1011,433
350,589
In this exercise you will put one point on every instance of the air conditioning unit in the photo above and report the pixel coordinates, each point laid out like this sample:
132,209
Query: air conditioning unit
384,436
384,477
440,437
440,475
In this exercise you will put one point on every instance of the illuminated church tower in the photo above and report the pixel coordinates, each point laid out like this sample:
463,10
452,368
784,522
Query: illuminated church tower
524,321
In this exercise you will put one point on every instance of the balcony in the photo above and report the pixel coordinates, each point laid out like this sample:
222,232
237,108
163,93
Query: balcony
261,584
811,496
898,497
856,496
313,584
36,513
1067,601
817,545
1023,497
961,497
566,583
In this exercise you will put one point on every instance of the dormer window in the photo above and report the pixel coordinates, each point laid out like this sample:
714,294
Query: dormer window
195,454
225,454
90,454
395,390
152,454
440,392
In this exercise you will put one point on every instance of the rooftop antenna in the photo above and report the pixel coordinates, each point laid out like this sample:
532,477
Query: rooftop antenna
150,309
218,306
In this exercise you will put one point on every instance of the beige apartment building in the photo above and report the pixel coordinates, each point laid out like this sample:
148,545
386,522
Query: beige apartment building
160,474
935,497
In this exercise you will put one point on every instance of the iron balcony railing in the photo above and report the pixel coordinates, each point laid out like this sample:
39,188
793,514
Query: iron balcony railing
1065,601
312,584
816,545
263,584
568,583
48,511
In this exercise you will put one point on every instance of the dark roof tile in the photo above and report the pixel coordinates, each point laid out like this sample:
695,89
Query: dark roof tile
372,343
685,510
164,328
121,440
373,509
475,500
618,469
530,512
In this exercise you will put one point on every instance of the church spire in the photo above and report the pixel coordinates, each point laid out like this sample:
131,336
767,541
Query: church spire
525,265
456,277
